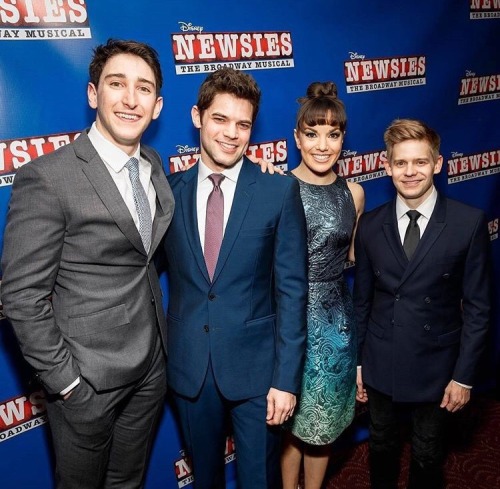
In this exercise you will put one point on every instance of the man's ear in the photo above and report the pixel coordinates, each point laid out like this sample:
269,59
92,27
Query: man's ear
388,168
196,116
158,107
92,95
438,165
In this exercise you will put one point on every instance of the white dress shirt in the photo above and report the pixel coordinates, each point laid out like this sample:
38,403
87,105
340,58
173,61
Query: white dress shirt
115,160
425,208
205,186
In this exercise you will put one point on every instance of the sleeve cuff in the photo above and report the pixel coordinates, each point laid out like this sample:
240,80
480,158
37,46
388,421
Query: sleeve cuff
70,387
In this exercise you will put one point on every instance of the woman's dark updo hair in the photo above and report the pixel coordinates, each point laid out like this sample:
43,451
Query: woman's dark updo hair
321,107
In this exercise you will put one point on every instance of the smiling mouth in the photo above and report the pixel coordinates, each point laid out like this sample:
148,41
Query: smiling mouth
127,117
321,158
227,146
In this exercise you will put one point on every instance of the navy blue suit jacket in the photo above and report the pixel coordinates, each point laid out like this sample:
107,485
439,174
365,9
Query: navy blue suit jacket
421,323
250,322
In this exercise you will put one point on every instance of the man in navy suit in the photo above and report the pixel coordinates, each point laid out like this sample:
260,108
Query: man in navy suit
236,320
422,307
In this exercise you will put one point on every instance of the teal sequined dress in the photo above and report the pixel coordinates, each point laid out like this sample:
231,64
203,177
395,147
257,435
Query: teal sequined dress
326,404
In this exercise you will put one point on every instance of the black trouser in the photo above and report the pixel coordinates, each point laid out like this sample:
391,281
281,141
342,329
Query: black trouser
427,442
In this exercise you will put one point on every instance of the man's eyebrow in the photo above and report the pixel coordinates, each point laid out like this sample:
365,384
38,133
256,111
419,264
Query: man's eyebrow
114,75
122,76
145,80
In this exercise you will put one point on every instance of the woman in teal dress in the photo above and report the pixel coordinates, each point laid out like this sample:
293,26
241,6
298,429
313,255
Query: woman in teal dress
332,206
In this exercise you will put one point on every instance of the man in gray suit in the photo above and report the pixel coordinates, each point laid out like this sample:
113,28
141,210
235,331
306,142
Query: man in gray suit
79,282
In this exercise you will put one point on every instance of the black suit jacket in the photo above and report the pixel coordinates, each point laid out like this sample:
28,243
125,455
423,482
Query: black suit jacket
423,322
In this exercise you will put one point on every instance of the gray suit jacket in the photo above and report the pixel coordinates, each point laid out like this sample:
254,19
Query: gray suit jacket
78,287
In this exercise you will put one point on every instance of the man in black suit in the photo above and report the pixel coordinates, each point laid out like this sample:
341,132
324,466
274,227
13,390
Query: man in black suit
422,307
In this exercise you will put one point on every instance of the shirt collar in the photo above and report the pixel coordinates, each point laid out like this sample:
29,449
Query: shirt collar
114,157
425,208
230,173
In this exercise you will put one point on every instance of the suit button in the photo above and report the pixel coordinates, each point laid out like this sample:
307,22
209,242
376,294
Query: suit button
427,300
206,328
211,297
392,322
446,276
377,273
427,327
153,300
397,297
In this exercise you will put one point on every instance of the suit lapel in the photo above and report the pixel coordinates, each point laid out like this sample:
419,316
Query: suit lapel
392,235
105,188
435,226
187,204
164,203
242,197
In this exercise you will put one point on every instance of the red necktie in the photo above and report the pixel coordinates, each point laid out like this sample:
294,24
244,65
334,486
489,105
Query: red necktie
214,224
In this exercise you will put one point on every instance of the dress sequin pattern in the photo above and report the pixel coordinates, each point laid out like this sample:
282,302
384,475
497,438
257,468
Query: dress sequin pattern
326,404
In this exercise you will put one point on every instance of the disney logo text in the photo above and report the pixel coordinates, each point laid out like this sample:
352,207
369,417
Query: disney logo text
188,27
356,55
186,149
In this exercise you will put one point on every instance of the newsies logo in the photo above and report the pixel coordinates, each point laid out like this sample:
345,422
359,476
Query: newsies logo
275,152
485,9
184,472
493,229
15,153
22,414
360,167
22,20
466,167
475,88
363,75
196,51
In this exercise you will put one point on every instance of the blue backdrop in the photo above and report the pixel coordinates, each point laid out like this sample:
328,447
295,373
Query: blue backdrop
437,61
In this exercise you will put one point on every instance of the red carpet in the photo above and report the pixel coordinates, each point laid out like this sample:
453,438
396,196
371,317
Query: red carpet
473,455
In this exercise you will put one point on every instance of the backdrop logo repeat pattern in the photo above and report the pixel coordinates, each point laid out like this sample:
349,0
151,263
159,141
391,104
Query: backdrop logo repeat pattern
275,152
475,88
21,414
43,19
184,471
196,51
485,9
493,229
466,167
363,166
364,75
15,153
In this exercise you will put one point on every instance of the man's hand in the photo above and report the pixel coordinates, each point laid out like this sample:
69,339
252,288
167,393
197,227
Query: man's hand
361,394
186,166
280,406
67,395
266,166
455,397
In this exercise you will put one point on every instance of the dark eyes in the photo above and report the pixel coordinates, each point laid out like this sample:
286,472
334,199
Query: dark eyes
311,135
